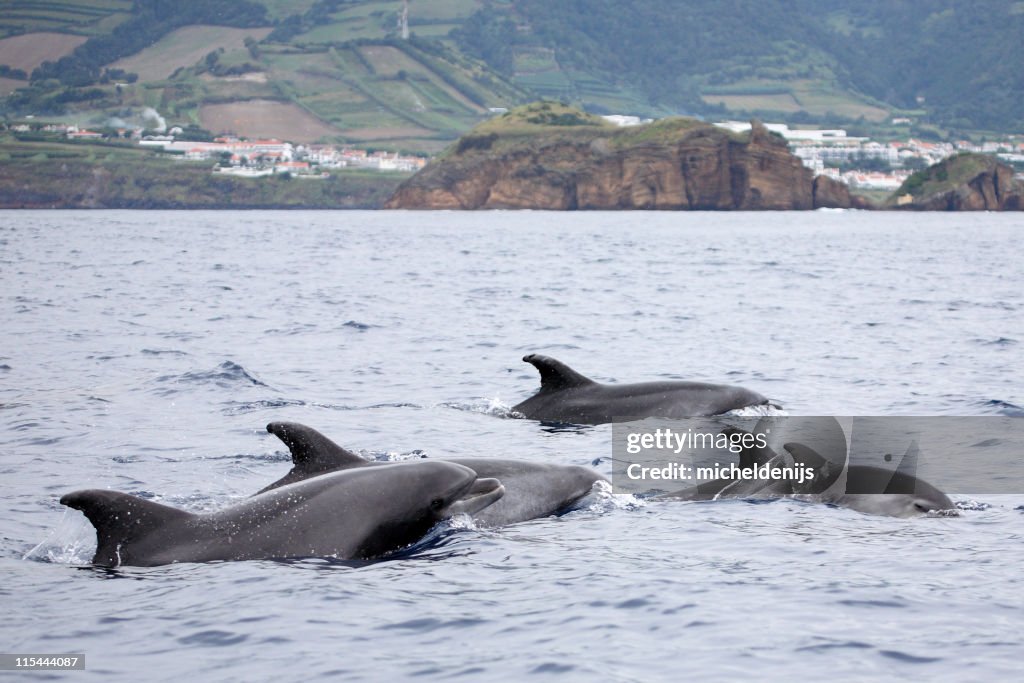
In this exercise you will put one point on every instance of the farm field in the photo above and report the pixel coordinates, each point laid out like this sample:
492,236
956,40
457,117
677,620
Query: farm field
184,47
815,97
28,51
85,17
265,119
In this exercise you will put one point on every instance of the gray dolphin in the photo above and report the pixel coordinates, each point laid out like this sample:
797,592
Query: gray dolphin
872,490
567,396
739,488
532,490
347,515
875,490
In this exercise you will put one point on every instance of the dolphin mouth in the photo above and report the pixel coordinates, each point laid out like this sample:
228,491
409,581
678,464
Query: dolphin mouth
477,496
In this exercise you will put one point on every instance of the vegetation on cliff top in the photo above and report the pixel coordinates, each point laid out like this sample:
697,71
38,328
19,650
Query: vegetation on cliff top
545,123
945,176
538,117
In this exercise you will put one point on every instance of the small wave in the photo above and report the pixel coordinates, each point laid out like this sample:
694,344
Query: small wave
226,375
493,406
243,407
375,406
971,505
163,352
72,541
1002,408
213,637
356,325
603,500
764,410
908,658
393,456
1000,342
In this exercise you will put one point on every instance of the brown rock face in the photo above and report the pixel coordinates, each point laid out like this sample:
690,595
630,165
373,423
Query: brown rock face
832,194
992,188
696,166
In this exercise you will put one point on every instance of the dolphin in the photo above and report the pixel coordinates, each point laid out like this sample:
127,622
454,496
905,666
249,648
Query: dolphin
358,514
567,396
754,456
872,490
876,490
532,490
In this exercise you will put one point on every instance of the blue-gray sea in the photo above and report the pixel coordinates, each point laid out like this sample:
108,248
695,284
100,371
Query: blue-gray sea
146,351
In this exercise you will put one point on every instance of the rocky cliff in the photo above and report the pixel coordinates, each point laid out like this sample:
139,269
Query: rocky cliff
966,182
546,156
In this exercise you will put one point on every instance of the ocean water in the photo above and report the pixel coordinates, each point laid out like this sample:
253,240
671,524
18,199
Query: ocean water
146,351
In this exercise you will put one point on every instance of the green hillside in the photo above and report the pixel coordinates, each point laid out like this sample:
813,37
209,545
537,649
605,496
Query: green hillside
327,71
952,63
342,71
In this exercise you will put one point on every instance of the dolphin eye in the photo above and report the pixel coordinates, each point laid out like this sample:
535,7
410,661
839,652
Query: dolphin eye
921,507
437,504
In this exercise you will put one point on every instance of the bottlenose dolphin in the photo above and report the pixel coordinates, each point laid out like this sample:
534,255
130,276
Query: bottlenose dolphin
532,490
872,490
567,396
348,515
739,488
877,491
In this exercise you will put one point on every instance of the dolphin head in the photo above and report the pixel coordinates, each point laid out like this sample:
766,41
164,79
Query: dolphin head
443,489
408,499
916,504
896,494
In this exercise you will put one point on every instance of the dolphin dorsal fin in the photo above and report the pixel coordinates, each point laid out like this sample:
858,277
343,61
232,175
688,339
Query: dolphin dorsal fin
311,449
805,455
120,519
312,453
555,374
753,456
826,472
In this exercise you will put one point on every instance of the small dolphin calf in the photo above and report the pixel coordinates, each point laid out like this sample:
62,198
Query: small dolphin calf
532,490
347,515
567,396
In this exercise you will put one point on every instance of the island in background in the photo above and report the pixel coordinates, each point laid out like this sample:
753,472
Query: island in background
553,157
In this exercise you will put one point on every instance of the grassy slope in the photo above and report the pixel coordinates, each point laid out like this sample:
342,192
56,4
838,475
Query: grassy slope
185,47
81,17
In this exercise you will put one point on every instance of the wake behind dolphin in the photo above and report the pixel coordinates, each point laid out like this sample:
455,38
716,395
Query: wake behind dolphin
567,396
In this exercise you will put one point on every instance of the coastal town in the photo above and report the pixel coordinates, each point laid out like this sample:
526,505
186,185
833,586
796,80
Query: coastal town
240,156
859,162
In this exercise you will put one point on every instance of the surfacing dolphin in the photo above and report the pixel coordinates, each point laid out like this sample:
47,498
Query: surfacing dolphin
872,490
532,490
875,490
358,514
567,396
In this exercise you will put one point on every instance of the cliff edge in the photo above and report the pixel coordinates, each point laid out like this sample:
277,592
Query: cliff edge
549,156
